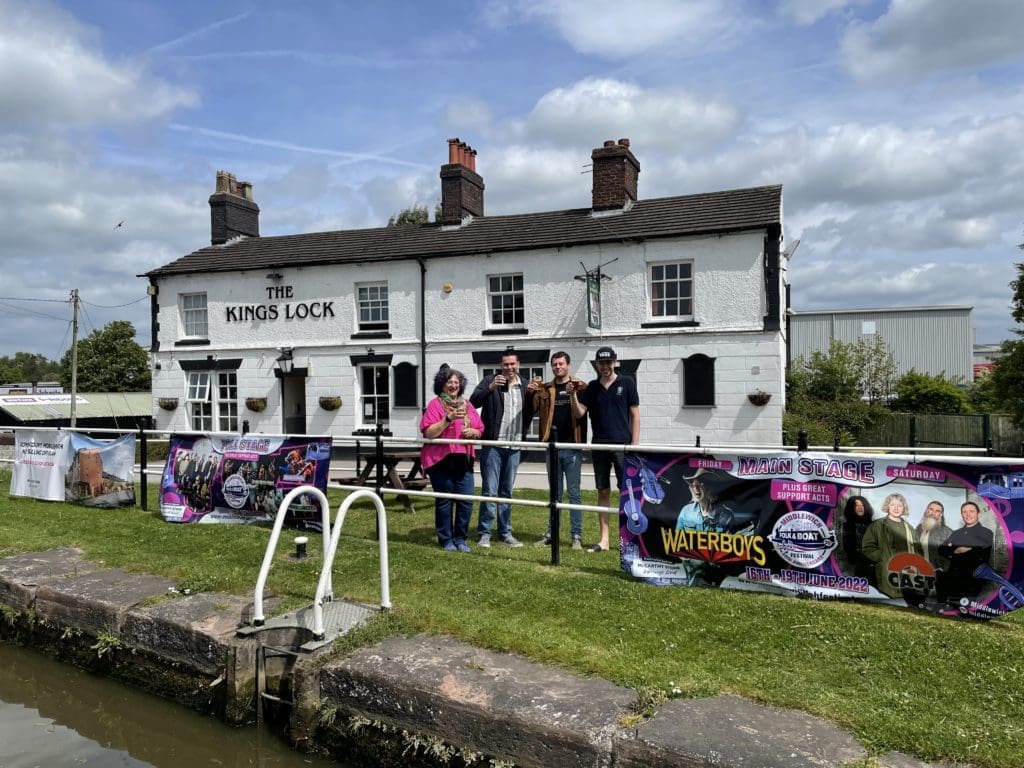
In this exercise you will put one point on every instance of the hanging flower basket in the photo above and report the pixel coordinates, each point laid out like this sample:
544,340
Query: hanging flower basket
256,404
167,403
760,397
330,403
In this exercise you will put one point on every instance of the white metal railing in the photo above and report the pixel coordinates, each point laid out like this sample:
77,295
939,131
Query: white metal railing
268,557
324,585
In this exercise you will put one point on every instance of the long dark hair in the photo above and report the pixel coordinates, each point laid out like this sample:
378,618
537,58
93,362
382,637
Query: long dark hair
443,374
851,516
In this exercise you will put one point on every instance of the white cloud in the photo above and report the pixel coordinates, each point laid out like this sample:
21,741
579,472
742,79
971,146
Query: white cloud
50,74
919,38
616,30
600,108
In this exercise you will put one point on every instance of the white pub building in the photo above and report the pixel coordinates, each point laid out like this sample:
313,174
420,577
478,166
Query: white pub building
333,332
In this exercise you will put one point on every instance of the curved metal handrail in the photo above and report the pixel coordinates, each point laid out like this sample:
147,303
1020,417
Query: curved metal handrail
323,587
268,558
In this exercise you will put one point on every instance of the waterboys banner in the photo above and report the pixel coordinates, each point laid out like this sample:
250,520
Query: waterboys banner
40,460
101,472
939,535
242,479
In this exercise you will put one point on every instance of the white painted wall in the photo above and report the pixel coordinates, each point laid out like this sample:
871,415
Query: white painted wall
729,306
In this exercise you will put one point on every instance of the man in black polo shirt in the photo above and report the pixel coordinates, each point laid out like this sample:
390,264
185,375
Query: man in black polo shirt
614,408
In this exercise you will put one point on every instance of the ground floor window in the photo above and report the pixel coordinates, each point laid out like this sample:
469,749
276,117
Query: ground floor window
212,401
375,394
699,380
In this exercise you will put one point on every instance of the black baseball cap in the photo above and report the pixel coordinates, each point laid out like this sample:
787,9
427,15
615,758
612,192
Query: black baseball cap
605,353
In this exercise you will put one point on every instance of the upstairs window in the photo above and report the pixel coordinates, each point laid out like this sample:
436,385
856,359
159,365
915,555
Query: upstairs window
372,306
671,290
505,300
193,315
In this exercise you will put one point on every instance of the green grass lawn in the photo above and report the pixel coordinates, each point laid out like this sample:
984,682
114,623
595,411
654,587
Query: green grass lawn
932,687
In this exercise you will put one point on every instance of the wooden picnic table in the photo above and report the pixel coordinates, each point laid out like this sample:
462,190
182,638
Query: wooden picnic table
412,478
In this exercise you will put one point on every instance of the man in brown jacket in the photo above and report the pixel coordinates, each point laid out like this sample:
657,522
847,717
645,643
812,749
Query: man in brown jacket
551,403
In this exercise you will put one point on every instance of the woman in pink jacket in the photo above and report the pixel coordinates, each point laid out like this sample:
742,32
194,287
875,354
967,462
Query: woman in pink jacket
450,416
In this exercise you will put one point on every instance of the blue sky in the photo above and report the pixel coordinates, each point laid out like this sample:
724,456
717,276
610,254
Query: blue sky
894,127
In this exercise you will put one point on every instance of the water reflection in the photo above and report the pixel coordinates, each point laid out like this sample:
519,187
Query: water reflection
55,715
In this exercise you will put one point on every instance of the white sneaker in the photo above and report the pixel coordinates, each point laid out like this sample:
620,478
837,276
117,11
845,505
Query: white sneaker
485,541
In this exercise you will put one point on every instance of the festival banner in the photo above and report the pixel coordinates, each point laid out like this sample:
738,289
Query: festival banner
934,534
40,458
210,479
101,472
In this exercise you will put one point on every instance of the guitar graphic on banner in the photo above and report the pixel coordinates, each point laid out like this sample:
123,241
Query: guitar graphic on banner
636,520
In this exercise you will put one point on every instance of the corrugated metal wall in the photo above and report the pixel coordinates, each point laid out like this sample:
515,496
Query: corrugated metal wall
932,340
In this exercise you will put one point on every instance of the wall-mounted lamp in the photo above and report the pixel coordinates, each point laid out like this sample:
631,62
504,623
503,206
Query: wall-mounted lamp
370,351
274,276
284,361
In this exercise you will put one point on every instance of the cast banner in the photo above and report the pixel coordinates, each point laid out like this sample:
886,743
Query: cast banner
213,479
935,534
40,459
101,472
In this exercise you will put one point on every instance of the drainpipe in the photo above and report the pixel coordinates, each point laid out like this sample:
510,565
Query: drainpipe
423,331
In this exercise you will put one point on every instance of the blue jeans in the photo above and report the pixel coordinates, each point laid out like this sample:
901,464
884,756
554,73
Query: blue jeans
444,481
498,467
567,476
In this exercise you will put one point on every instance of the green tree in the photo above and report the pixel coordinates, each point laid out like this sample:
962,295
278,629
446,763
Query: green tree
28,367
837,393
109,360
982,395
1008,377
410,217
926,393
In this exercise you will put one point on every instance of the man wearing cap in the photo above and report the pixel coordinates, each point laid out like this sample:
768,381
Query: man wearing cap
614,408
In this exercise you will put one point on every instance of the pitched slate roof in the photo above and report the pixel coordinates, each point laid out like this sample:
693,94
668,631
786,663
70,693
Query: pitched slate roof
713,212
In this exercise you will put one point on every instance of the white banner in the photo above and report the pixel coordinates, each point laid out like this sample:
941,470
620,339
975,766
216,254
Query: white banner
40,461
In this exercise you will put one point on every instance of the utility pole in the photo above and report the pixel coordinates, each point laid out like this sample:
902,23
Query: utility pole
74,353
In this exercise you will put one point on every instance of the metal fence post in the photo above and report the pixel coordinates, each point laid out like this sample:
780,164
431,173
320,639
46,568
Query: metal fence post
801,441
378,437
143,451
554,517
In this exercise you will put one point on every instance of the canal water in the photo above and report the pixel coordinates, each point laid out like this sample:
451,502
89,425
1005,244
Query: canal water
53,715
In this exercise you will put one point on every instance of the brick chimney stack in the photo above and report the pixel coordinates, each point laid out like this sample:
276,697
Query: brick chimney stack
232,210
462,188
615,175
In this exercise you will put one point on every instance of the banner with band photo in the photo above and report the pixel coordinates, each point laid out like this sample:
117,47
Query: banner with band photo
929,534
210,479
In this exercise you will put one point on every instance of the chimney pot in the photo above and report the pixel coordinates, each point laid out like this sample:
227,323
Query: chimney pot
462,189
615,173
232,210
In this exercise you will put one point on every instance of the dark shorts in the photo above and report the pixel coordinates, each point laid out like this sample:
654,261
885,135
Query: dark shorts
603,463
